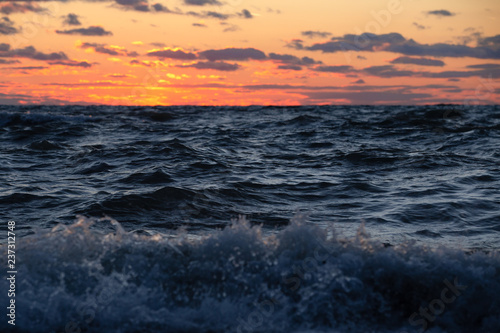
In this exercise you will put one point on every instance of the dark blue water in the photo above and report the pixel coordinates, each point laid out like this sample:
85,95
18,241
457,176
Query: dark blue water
389,204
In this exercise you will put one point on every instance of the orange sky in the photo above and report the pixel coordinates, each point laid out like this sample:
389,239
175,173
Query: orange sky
243,52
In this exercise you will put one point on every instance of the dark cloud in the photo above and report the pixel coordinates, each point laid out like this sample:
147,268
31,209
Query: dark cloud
493,73
335,69
246,14
31,53
360,81
8,62
441,13
16,7
215,65
172,54
484,66
158,7
235,54
7,27
418,61
26,68
138,5
201,25
297,44
488,48
209,14
419,26
315,34
54,58
106,49
290,67
361,57
90,31
387,71
490,42
293,60
201,2
71,19
143,6
216,15
71,63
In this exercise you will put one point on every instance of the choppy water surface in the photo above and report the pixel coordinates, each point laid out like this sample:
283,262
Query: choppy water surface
424,181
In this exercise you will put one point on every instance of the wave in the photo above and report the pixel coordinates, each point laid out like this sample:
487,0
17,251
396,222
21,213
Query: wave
302,278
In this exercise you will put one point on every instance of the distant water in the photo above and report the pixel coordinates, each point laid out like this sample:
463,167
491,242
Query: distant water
392,206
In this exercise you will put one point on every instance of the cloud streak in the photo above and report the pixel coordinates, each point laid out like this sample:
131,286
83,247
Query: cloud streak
110,50
214,65
418,61
488,48
441,13
90,31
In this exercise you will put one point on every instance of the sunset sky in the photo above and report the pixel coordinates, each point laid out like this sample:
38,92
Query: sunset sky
248,52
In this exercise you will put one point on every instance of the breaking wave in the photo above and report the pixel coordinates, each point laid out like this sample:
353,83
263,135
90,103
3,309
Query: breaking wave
89,277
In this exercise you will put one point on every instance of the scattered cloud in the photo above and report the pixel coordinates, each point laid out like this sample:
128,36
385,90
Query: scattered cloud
360,81
158,7
72,63
418,61
441,13
138,5
90,31
387,71
215,65
23,7
71,19
315,34
297,44
143,6
246,14
26,68
419,26
201,2
290,67
9,62
209,14
235,54
285,58
7,27
158,44
141,63
107,49
490,42
31,53
201,25
172,54
231,28
488,48
485,66
335,69
292,62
